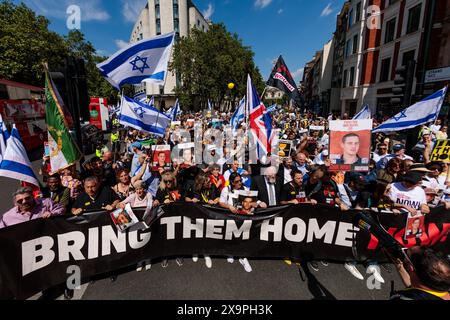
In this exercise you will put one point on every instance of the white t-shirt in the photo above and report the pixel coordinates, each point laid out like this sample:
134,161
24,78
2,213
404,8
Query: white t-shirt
412,198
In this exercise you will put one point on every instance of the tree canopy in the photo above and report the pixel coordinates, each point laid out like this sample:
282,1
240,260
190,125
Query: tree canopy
206,62
26,43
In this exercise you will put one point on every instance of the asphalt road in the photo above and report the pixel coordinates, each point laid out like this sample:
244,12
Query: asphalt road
270,279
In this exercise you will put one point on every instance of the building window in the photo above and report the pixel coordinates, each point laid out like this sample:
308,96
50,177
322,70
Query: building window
176,25
352,77
355,44
348,48
344,84
350,18
385,69
408,56
390,31
414,19
358,12
158,27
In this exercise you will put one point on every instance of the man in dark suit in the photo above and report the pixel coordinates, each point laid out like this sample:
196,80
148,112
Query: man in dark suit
268,187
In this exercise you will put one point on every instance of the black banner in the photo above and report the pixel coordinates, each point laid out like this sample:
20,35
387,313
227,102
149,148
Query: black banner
36,255
282,79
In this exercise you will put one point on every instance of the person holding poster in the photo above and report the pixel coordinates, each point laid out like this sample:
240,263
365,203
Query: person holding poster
350,145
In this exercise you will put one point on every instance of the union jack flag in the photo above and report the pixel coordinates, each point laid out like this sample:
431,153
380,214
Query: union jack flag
260,121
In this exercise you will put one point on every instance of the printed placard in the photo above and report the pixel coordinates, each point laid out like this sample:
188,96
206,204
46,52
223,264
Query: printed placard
285,148
350,145
414,226
161,157
441,151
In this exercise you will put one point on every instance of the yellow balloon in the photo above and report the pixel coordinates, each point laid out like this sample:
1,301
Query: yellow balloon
231,85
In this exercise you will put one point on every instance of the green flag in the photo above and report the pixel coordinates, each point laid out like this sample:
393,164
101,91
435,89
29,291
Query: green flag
63,150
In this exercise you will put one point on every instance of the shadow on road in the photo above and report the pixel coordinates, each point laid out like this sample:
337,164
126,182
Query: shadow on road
314,286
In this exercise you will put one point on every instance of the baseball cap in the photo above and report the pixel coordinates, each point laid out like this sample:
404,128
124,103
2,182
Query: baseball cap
412,177
398,147
430,191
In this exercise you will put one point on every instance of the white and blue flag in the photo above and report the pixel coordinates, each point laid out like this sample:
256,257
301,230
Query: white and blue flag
238,116
272,108
143,61
15,163
143,117
173,113
209,105
4,135
420,113
364,114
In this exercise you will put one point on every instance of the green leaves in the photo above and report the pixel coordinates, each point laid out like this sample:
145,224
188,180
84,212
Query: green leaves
207,62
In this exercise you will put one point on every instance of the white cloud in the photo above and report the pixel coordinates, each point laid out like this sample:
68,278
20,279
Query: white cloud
208,12
280,11
121,44
327,11
90,10
298,75
260,4
132,8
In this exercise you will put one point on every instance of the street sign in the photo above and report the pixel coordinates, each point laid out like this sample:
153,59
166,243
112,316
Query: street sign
437,75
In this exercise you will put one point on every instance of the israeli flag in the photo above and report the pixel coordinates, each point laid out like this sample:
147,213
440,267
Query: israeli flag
420,113
271,108
175,111
4,135
143,117
15,163
238,116
364,114
143,61
141,96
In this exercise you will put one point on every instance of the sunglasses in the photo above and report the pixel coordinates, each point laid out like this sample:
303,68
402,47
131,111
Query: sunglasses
435,169
21,201
168,181
237,181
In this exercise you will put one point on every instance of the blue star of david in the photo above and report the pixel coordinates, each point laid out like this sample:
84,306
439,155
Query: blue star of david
144,64
140,112
400,116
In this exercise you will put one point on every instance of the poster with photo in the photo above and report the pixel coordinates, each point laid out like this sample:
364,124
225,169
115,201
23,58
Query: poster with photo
350,145
316,131
414,226
285,148
246,202
186,153
124,219
190,123
161,157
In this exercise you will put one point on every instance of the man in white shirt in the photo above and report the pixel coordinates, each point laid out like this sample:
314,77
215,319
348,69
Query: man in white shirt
408,194
382,151
399,152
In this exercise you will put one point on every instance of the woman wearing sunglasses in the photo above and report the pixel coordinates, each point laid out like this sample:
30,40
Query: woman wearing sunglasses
228,199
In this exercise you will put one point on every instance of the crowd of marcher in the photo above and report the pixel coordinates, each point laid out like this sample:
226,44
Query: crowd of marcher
124,171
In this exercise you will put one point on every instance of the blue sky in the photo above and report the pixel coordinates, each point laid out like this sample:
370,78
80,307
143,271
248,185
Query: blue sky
292,28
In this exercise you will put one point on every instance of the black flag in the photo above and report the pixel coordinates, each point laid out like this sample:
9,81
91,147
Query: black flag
282,79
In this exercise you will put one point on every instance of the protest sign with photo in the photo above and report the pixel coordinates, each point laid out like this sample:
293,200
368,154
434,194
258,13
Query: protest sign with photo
441,151
173,124
186,153
350,145
414,226
316,131
124,218
246,202
285,149
161,156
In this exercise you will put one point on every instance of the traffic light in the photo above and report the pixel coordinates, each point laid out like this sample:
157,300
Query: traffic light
404,79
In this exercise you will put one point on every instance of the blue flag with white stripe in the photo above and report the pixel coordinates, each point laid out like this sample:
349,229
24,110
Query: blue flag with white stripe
422,112
272,108
143,61
238,116
15,163
143,117
364,114
4,135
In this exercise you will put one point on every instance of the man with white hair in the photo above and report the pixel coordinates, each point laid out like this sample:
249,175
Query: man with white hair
268,187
